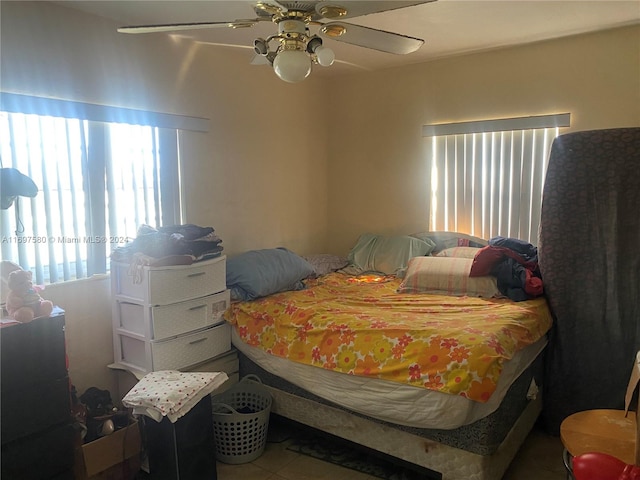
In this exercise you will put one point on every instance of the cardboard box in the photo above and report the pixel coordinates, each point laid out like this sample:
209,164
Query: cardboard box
109,456
127,470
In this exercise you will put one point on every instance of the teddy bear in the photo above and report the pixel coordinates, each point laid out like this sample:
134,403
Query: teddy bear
24,302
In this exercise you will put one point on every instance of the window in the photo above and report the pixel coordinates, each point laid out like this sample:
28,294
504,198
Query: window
101,172
487,176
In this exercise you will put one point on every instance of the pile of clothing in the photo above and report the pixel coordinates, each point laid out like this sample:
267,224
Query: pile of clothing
514,263
170,245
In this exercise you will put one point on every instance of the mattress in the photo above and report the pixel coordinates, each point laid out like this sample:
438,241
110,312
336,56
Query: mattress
485,438
403,404
457,345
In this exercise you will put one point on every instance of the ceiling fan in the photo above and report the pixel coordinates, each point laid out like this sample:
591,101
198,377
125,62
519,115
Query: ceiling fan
292,51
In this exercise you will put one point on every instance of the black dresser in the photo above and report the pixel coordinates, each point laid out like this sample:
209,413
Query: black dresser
37,434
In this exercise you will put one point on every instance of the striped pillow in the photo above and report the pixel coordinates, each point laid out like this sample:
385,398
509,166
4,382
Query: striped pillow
458,252
446,276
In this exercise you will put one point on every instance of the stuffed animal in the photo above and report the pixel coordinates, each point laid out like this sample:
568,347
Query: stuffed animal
24,302
6,267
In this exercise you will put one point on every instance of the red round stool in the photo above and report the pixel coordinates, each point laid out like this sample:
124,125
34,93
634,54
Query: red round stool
600,441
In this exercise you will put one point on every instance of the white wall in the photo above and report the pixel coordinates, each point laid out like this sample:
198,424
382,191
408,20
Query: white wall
377,169
87,330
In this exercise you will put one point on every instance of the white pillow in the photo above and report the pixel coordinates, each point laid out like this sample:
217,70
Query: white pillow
458,252
446,276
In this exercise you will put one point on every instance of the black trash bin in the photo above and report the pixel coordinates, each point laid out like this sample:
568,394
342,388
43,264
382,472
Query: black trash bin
184,450
175,411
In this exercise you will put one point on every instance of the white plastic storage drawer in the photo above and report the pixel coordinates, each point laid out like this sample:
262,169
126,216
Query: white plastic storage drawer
227,362
170,284
175,353
164,321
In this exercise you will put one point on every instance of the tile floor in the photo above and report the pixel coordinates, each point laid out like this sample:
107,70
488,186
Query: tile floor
540,458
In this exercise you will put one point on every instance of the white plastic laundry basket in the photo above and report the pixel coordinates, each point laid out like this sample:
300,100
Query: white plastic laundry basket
241,420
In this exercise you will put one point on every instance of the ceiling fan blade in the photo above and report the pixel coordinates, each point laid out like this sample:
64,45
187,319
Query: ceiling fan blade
259,60
371,38
187,26
341,9
267,8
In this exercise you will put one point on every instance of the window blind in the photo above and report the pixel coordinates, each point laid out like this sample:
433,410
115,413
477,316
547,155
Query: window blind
488,183
98,181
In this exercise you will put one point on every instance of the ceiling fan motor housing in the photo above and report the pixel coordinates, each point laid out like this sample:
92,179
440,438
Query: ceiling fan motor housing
292,28
293,34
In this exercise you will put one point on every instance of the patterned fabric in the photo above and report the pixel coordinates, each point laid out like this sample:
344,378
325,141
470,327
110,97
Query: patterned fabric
362,326
590,263
171,394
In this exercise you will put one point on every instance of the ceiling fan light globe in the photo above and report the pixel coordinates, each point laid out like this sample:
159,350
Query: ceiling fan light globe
325,56
292,65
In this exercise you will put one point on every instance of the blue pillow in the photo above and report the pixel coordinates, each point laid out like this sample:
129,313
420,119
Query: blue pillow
387,254
258,273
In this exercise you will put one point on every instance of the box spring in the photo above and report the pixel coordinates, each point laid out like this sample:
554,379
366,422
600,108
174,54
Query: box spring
482,437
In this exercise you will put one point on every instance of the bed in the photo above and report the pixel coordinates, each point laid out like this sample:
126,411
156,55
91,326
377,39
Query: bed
404,354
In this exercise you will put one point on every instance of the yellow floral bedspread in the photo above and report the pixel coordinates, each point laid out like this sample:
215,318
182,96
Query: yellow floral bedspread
361,326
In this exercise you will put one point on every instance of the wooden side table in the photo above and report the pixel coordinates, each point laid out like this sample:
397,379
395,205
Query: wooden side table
602,431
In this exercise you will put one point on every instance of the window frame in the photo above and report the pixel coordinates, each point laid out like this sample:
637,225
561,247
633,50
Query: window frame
167,127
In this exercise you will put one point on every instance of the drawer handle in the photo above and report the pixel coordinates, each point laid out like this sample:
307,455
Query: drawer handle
197,341
198,307
197,274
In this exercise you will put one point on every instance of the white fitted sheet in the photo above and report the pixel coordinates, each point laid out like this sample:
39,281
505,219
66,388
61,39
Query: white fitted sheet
390,401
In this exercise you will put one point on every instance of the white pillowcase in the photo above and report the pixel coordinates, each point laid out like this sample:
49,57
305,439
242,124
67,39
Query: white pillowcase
458,252
446,276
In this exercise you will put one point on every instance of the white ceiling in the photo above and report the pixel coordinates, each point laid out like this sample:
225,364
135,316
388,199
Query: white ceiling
449,27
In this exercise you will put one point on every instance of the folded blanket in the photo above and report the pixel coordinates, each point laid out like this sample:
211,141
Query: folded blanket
171,394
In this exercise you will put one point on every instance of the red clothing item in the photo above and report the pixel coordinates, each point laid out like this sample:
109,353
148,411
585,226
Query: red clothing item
487,257
491,256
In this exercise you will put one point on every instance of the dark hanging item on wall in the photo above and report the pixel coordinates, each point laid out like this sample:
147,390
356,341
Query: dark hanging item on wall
13,184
